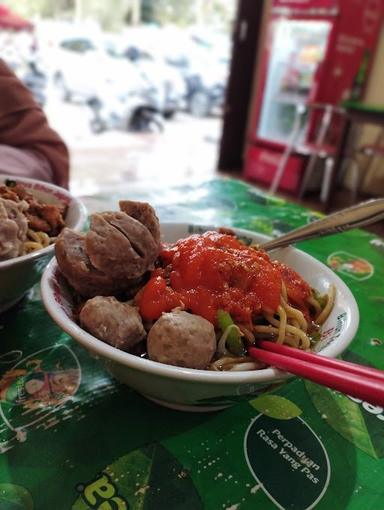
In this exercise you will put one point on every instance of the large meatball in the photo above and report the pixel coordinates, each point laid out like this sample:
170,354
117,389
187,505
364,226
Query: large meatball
116,323
182,339
120,246
75,265
13,228
145,214
116,253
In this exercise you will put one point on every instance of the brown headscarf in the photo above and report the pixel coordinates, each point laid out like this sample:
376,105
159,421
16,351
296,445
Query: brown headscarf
23,125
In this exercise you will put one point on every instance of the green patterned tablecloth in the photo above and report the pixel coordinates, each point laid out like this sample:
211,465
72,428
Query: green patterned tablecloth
92,443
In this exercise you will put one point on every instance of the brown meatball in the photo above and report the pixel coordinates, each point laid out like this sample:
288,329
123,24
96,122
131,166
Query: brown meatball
182,339
16,212
120,246
13,228
75,265
10,245
145,213
116,323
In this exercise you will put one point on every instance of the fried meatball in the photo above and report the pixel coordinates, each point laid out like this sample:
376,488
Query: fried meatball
76,267
10,245
13,228
116,323
182,339
120,246
145,214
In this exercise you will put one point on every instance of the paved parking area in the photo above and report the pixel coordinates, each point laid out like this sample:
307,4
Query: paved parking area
186,150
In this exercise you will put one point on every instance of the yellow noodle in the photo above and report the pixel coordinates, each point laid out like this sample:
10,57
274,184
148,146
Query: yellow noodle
320,319
315,304
284,292
250,365
287,325
36,241
248,336
282,324
292,342
44,239
305,342
39,237
221,346
296,314
33,236
30,246
223,362
236,364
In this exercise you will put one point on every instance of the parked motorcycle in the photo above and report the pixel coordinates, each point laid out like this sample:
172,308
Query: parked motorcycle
35,79
131,112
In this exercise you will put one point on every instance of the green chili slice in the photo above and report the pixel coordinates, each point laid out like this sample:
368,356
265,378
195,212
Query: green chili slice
233,342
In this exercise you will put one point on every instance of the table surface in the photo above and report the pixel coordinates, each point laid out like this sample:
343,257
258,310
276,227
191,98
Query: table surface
92,443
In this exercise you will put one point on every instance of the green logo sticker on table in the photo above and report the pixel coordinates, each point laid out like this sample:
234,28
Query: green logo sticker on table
37,384
150,477
276,407
15,497
350,265
288,461
357,421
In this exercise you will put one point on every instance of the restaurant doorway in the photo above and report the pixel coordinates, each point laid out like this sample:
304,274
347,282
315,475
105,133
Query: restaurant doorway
137,94
248,28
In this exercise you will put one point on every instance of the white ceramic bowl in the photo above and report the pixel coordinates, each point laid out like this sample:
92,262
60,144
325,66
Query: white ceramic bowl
19,274
201,390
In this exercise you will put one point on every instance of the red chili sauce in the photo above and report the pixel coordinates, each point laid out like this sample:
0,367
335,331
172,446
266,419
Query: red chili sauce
212,271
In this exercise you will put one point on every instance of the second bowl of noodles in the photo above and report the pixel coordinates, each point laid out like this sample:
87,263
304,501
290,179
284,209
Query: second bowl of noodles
32,213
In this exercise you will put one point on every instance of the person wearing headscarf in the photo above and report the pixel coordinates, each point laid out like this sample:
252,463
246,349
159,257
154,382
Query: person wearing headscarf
29,147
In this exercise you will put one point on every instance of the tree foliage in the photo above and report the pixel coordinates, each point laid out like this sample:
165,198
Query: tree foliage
113,14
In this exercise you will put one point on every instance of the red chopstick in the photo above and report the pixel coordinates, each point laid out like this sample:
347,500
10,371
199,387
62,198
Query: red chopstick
357,381
322,360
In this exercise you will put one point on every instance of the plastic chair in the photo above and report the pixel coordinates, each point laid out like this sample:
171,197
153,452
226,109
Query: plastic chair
320,148
370,152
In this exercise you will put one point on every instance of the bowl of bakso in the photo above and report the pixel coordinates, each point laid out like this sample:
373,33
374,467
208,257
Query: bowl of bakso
172,309
32,215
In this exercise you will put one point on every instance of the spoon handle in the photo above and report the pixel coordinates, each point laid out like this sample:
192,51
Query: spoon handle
345,219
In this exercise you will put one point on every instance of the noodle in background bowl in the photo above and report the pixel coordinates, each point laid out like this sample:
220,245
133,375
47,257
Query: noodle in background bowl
201,390
19,274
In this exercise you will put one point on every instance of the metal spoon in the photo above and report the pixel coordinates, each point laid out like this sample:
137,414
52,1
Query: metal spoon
340,221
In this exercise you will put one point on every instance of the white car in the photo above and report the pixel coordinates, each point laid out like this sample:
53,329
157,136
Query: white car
84,70
167,87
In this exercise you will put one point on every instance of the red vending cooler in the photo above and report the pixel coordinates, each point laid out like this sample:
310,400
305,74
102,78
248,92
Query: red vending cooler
315,51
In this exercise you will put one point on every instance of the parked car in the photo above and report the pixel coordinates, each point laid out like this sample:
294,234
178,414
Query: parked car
206,88
205,77
128,112
168,88
84,68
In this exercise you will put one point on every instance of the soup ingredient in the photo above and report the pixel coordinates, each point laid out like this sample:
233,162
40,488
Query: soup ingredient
231,333
13,228
214,271
75,265
119,324
134,248
145,214
42,217
182,339
113,257
26,224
